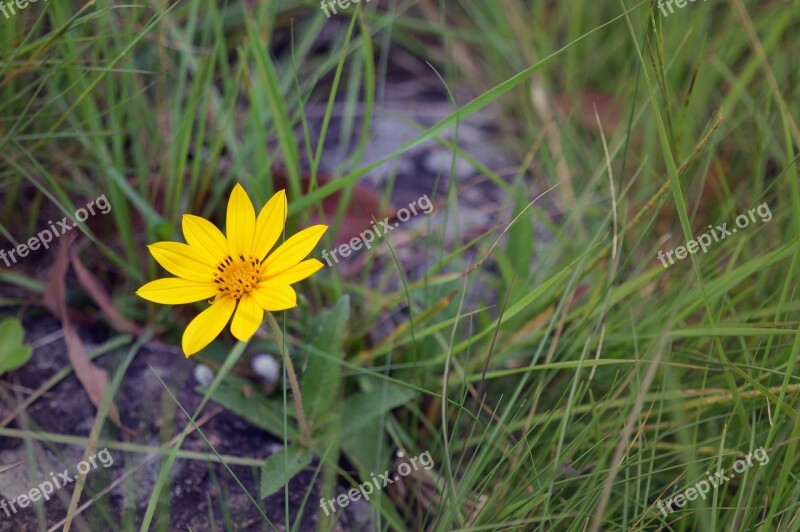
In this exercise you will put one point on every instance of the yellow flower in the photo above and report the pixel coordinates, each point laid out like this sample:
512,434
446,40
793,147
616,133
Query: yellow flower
236,271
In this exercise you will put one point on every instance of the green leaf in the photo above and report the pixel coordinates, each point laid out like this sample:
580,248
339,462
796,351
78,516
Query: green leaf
366,452
370,454
321,379
281,467
520,241
364,407
13,352
271,90
252,406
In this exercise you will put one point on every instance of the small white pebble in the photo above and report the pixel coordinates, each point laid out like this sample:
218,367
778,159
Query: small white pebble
266,367
203,374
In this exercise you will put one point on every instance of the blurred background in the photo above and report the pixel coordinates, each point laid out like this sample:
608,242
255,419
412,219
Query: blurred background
524,332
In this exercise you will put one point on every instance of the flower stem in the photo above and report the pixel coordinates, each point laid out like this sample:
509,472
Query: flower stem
298,399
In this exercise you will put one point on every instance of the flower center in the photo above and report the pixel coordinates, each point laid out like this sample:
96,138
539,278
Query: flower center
236,277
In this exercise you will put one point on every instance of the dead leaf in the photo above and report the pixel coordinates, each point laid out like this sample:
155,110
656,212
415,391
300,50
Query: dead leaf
93,379
100,296
365,205
607,106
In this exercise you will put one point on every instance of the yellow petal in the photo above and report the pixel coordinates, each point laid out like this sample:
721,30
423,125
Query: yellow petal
241,223
274,296
296,273
207,325
203,235
293,250
175,291
269,224
247,318
183,261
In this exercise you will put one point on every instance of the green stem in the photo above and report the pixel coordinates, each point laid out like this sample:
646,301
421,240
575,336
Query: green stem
296,397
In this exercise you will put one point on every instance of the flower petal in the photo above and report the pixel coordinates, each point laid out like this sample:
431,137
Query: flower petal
269,224
293,250
274,296
296,273
207,325
241,223
183,261
247,318
203,235
176,291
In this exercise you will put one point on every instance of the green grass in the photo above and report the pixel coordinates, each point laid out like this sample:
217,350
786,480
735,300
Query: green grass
564,383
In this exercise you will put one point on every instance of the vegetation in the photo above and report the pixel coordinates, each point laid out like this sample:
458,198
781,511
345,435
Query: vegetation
560,376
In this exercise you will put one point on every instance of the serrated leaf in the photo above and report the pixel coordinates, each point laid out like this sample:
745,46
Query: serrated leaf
13,352
321,378
281,467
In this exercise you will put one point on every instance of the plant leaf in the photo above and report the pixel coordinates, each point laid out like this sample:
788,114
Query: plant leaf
321,378
238,395
520,241
281,467
100,295
364,407
13,352
93,379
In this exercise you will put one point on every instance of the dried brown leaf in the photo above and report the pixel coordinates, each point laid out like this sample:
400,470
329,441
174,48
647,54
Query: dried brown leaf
365,205
99,295
93,379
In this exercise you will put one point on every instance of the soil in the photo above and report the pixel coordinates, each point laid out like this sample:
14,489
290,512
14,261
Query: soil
195,490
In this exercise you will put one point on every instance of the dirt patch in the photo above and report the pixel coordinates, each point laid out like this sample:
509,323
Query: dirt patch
200,492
